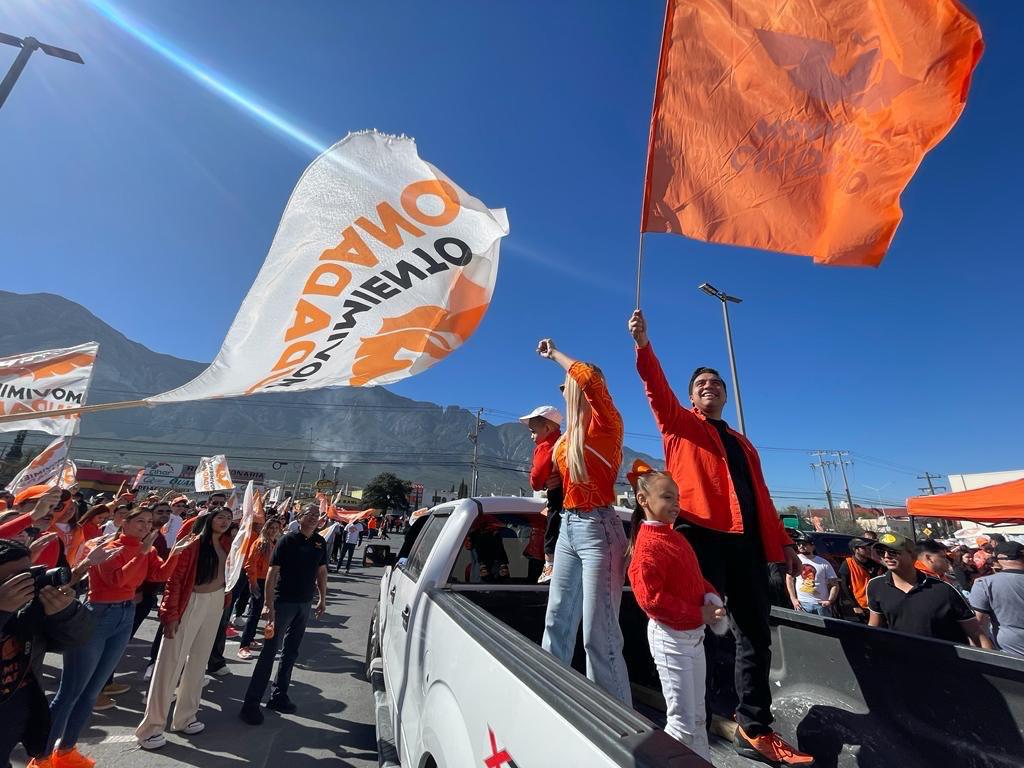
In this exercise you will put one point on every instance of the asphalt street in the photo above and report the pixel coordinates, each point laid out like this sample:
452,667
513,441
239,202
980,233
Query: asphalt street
335,704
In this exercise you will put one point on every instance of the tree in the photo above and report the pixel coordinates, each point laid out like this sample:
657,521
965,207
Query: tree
386,492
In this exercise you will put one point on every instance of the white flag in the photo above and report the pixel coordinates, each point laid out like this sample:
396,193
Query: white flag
239,545
381,267
213,474
44,469
46,382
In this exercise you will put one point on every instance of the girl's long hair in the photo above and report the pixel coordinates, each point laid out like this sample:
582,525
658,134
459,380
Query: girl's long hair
575,431
207,561
265,543
643,485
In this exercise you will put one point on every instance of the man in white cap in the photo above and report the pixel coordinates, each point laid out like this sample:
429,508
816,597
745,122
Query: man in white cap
545,424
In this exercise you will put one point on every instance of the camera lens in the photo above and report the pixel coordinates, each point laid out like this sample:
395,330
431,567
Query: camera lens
49,577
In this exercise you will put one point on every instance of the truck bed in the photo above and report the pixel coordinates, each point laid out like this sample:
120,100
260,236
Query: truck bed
853,696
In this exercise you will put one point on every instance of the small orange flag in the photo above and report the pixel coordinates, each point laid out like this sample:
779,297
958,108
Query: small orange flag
795,126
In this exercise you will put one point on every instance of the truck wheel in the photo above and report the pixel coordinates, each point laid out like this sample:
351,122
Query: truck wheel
373,640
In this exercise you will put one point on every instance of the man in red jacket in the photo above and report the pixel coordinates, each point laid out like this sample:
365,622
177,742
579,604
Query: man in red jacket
728,516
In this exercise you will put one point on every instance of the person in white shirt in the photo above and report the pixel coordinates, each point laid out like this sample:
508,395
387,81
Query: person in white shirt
293,526
353,531
816,589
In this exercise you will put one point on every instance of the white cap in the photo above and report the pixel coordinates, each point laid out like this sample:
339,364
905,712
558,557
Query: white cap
548,412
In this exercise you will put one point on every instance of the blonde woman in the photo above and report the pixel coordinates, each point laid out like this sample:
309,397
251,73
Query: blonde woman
589,567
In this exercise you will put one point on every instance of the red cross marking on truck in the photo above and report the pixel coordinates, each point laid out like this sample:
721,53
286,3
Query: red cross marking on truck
498,757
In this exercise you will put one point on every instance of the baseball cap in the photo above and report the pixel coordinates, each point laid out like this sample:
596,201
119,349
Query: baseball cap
894,541
858,543
1010,550
30,494
548,412
179,500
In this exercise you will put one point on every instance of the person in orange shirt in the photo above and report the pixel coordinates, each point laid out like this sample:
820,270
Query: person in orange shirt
728,517
256,565
590,556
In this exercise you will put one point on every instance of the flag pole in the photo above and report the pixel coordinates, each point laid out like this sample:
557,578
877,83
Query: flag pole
72,411
639,268
650,144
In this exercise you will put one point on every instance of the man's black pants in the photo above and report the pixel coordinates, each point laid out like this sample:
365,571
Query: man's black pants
554,524
736,566
290,621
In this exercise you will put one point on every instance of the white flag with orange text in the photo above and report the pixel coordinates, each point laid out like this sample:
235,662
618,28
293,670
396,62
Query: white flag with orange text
380,268
212,474
48,468
46,382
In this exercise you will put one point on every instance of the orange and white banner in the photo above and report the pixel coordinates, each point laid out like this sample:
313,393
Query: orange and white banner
380,268
44,469
213,474
252,505
795,126
46,382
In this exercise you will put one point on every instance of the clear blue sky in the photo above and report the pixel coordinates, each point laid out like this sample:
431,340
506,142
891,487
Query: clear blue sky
139,193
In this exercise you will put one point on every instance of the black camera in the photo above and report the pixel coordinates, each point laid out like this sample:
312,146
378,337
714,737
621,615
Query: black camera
49,577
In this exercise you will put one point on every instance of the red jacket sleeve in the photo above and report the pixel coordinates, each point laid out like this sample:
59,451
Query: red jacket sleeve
542,467
670,415
650,588
170,605
15,525
159,569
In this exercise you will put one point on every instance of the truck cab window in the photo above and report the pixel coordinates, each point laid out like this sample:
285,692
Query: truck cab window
501,549
423,545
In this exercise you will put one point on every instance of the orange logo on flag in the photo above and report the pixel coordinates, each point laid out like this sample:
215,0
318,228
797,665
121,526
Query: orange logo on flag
428,330
64,365
797,132
221,479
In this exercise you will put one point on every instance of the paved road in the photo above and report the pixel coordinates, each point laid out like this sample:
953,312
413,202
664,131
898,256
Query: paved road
334,721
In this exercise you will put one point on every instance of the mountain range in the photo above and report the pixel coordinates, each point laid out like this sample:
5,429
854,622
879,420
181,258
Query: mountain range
363,431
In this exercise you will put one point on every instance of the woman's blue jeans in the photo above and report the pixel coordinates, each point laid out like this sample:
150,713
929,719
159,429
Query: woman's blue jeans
87,669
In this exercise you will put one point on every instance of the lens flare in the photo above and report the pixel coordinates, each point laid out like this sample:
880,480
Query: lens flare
206,78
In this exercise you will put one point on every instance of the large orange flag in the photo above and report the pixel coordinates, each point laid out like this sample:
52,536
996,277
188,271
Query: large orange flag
795,126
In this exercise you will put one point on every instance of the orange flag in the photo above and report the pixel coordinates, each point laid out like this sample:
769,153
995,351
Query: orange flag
795,126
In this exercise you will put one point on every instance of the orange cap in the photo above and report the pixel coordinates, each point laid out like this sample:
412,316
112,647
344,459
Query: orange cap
31,493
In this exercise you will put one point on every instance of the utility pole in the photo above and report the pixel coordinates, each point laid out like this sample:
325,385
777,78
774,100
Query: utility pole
822,465
726,299
928,477
474,437
302,469
29,45
842,468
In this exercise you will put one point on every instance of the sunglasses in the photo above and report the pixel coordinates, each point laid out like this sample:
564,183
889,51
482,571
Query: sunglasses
886,552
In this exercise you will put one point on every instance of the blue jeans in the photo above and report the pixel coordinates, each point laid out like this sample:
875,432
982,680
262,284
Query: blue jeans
817,609
290,620
349,549
589,571
87,669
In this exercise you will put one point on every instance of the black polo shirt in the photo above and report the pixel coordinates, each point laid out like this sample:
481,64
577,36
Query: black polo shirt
298,559
932,608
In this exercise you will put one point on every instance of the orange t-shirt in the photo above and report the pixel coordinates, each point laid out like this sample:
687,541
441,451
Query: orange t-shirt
603,445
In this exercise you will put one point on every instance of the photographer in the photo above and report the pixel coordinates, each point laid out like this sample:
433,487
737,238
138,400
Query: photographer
31,623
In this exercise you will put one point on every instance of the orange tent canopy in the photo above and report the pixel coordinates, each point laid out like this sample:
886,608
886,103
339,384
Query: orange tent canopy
1002,503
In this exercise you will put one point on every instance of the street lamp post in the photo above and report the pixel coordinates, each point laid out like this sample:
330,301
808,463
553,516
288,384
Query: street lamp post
725,298
29,45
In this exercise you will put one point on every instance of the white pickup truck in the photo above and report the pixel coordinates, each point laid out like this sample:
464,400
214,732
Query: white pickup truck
453,654
460,680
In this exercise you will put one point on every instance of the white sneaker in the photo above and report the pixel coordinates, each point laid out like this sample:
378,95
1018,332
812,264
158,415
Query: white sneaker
545,575
238,622
193,728
148,674
153,742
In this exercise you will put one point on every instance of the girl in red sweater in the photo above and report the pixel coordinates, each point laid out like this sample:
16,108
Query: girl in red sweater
670,589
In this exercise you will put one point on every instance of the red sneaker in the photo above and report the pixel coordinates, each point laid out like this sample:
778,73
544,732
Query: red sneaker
71,759
41,762
770,748
231,633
